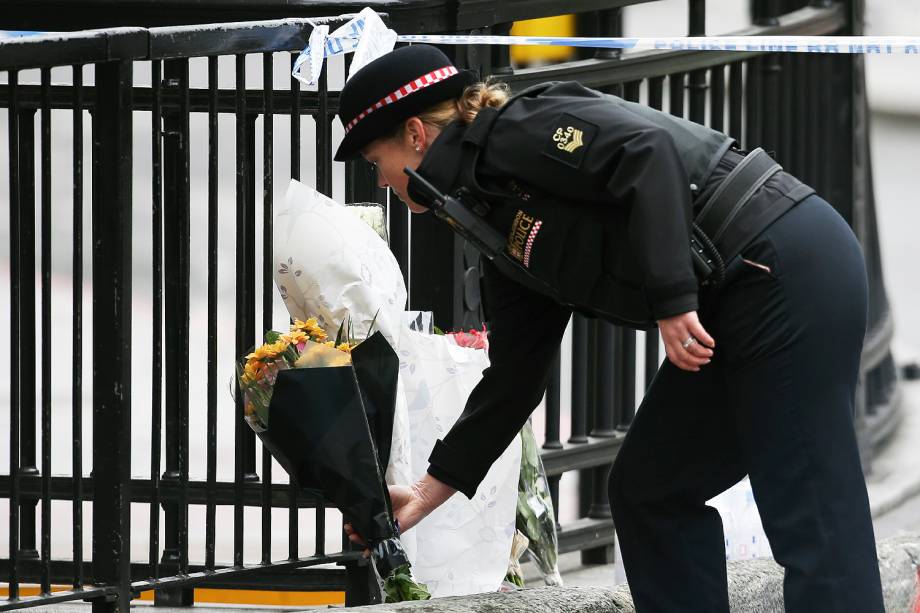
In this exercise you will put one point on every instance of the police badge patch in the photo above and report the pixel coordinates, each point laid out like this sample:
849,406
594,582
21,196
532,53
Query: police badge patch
570,139
523,233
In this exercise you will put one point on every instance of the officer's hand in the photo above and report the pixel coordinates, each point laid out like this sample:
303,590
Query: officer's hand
411,504
675,331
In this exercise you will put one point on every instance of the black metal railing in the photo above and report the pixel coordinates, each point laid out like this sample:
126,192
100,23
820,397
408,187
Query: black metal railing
221,105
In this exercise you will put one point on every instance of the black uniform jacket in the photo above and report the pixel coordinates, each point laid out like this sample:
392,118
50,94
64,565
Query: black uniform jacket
596,197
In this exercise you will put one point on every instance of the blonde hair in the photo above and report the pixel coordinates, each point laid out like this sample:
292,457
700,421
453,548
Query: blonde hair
465,108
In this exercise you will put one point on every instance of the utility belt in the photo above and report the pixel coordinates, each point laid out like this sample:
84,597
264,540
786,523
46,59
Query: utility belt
738,210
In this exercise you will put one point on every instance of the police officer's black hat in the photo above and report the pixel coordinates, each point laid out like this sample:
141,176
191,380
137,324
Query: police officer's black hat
392,88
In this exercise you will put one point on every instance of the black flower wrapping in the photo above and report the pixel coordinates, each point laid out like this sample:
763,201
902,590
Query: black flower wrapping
320,430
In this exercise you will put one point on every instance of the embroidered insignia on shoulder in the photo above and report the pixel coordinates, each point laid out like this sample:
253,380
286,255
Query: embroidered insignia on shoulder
523,233
569,140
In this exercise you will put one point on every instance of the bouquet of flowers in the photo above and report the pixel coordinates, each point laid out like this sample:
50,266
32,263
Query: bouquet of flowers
324,410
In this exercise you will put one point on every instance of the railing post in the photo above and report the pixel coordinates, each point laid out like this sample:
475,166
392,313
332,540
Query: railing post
360,584
553,419
765,12
609,23
585,477
27,353
698,83
176,266
626,374
604,427
580,394
112,174
500,58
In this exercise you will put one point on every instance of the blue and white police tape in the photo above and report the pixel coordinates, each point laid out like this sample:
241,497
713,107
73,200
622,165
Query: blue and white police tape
18,33
866,45
367,35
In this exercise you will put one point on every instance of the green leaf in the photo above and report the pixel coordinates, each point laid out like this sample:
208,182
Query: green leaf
272,336
438,330
515,579
400,586
338,336
262,413
370,330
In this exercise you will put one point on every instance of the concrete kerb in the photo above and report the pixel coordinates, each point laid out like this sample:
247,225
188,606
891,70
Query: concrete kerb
755,586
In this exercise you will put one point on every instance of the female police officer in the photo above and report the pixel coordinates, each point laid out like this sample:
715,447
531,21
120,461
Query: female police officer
598,202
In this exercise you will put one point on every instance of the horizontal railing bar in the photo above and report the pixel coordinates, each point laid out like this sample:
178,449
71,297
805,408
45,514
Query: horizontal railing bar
576,456
585,533
221,573
62,489
650,64
573,456
415,17
62,98
233,38
226,100
67,49
57,598
92,46
277,579
280,576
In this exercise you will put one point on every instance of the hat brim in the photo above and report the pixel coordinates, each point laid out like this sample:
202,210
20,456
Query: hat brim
383,120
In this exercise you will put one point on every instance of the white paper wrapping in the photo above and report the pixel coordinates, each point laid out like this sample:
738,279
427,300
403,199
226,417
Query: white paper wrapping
329,264
464,546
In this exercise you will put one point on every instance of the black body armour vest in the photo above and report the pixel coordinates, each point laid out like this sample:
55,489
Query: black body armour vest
585,259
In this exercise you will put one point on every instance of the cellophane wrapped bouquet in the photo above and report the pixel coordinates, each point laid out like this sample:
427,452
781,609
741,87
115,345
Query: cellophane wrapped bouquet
535,516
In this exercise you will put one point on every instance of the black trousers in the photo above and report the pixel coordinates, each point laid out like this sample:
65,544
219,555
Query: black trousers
776,403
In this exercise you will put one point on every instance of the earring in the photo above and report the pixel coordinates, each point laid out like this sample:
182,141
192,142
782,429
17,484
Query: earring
417,148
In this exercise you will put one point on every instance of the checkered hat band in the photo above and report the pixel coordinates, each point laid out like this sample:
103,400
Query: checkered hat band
409,88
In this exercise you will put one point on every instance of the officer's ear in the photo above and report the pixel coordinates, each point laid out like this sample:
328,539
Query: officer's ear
415,135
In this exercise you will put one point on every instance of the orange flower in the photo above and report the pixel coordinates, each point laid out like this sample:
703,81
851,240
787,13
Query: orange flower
296,336
260,353
278,347
346,347
254,370
310,328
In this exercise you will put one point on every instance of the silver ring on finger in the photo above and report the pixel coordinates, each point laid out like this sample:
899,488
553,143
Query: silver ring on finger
686,344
